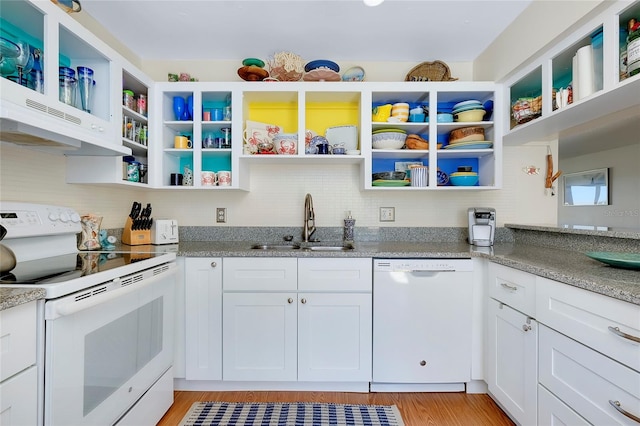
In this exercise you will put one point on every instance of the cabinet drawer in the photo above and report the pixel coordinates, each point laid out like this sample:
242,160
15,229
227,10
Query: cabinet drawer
586,380
259,274
336,275
553,412
513,287
589,318
19,399
17,339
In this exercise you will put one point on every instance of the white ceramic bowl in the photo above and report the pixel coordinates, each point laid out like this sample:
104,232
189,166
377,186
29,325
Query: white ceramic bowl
388,140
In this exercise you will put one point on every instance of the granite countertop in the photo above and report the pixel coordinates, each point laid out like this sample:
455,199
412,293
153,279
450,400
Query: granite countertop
10,297
566,266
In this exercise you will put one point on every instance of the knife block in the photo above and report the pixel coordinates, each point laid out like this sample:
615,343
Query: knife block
137,237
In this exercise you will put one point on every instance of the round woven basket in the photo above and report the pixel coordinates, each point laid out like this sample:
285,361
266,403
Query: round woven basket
430,71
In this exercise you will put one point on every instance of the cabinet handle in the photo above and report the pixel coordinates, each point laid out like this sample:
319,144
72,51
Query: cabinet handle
290,300
624,335
509,287
616,405
214,264
303,301
423,363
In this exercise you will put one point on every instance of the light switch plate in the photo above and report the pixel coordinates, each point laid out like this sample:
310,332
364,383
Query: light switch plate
387,214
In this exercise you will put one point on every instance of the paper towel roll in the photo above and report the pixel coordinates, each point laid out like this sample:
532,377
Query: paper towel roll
583,75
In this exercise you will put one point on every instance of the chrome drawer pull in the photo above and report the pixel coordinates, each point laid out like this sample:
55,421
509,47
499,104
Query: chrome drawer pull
616,405
509,287
624,335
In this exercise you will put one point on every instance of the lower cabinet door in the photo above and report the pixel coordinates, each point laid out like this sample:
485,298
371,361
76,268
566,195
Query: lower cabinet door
334,337
553,412
512,373
19,399
203,318
259,336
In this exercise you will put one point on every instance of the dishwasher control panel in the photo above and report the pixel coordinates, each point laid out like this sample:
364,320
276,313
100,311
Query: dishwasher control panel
416,265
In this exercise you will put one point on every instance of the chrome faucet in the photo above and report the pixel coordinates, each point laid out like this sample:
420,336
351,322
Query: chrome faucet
309,219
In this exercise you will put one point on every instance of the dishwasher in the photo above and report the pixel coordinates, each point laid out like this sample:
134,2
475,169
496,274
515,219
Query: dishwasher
422,322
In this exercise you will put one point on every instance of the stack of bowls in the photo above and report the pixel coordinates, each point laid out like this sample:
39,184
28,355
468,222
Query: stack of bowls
467,111
400,111
463,178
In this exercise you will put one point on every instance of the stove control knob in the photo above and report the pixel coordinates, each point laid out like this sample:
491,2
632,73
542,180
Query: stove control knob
53,216
64,217
75,217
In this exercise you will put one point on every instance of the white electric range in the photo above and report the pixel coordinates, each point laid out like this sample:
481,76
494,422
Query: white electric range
105,326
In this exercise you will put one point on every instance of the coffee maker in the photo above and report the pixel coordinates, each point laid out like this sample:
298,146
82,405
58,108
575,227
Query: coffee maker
482,226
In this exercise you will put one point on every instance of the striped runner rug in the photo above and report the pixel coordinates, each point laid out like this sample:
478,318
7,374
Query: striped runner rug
290,414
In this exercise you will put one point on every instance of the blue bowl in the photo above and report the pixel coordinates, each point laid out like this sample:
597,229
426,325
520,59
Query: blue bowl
463,180
417,118
445,117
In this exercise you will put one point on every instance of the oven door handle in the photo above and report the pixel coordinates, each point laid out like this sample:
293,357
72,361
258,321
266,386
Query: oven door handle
71,308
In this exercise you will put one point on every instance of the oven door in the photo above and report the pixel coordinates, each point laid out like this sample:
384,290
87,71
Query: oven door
106,346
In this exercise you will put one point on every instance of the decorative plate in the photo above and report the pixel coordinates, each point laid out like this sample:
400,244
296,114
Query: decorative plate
618,260
467,103
470,145
353,74
383,182
321,63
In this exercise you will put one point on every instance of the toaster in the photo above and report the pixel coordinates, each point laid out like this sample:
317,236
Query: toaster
164,231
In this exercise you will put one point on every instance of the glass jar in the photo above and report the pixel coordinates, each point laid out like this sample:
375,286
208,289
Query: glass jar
633,50
128,99
142,105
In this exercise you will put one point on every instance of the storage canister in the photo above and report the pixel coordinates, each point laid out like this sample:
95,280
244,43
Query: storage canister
142,105
133,171
128,100
633,50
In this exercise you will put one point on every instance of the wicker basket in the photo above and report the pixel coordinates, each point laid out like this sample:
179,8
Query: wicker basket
430,71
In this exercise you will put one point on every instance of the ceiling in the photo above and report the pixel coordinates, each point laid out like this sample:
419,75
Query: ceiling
338,30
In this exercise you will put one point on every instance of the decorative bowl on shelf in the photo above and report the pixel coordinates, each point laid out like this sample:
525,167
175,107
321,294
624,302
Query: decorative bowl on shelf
470,115
388,140
463,179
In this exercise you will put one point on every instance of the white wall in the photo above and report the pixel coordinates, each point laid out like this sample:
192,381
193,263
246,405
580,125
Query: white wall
277,194
623,210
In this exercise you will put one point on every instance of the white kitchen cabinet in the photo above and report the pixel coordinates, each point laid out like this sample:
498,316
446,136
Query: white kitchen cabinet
280,326
334,319
511,346
512,361
203,318
18,370
61,42
600,389
260,336
551,69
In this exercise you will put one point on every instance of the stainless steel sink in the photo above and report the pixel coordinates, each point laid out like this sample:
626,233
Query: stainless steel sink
275,247
343,247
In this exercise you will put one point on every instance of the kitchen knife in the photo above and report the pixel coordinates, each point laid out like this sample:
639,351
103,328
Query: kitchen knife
135,210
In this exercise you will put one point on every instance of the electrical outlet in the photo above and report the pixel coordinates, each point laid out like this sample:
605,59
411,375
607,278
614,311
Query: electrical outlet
221,215
387,214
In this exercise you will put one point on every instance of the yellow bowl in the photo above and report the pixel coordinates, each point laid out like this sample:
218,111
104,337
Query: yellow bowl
470,115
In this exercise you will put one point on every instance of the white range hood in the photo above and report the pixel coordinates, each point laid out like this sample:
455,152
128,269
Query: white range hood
27,118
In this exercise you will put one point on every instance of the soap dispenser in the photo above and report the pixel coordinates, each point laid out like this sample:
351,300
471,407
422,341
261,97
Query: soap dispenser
349,224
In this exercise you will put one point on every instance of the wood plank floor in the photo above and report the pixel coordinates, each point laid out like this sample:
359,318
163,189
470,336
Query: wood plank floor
417,409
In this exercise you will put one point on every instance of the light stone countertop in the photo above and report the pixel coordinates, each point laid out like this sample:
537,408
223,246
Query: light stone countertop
567,266
10,297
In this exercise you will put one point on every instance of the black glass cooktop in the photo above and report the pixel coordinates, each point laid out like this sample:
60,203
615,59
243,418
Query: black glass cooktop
70,266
